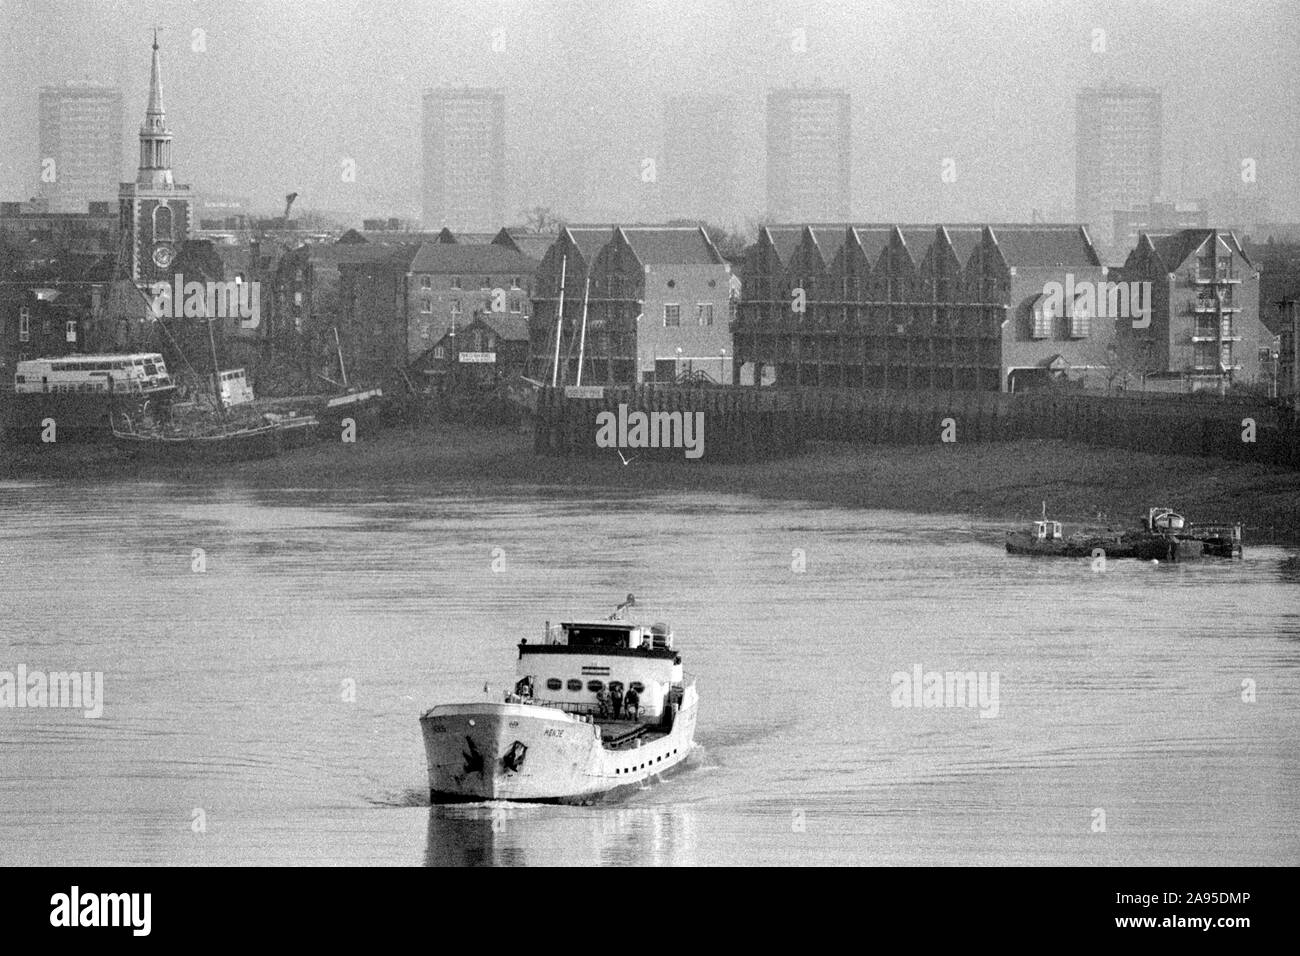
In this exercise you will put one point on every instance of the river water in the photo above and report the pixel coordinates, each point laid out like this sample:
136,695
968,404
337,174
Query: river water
265,656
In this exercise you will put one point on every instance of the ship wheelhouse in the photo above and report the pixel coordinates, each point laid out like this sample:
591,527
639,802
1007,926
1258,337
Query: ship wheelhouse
578,660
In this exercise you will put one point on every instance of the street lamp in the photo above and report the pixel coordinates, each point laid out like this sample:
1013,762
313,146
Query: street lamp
722,366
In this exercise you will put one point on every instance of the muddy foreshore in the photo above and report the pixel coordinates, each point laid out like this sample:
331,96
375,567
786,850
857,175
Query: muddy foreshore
1000,480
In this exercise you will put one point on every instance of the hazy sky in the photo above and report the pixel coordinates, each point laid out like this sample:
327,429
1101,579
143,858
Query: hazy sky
287,89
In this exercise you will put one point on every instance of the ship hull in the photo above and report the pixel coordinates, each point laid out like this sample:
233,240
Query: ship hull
534,753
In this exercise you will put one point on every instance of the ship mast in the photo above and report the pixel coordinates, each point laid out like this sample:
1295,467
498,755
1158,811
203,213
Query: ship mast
559,324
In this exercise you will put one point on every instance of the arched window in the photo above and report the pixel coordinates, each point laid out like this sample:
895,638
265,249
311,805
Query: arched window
162,224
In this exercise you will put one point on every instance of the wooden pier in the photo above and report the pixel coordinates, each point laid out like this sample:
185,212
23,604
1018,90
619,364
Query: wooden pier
743,424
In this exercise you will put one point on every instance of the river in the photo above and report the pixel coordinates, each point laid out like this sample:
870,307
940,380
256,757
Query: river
266,654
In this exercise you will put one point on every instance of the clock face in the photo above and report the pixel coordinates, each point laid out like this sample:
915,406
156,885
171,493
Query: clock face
163,255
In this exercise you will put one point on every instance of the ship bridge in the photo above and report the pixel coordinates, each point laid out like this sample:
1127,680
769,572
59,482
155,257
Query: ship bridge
579,660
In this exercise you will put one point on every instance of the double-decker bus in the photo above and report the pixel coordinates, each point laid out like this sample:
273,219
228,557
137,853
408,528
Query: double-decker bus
136,374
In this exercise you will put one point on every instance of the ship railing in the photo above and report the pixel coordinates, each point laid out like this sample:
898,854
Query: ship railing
569,707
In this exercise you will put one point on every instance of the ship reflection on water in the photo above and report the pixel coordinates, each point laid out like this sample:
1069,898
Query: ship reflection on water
501,834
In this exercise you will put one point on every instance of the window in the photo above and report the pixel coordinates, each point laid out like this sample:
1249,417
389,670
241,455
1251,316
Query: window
485,282
1043,316
455,282
595,686
704,313
1079,323
637,686
426,304
24,324
70,330
672,316
516,305
426,282
574,684
162,224
554,683
1225,355
514,282
455,307
45,327
439,352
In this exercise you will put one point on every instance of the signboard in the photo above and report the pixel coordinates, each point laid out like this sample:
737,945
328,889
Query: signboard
478,356
584,391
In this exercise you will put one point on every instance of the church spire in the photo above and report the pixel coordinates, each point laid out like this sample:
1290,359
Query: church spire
155,139
155,106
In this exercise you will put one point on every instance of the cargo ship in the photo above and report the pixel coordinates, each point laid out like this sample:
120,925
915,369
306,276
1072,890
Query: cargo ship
598,708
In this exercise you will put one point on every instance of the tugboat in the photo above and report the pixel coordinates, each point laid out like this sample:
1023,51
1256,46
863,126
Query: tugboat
1166,535
597,707
1044,537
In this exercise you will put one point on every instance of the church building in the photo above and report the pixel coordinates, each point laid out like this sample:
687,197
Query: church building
157,215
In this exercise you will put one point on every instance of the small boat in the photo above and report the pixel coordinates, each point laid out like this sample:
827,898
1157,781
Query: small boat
231,444
1045,538
1164,535
598,707
1167,535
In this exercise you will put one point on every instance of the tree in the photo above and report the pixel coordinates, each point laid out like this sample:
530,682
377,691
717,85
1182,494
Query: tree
543,219
729,243
1130,359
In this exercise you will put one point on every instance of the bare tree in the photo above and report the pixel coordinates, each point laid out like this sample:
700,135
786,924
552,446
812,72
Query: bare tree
543,219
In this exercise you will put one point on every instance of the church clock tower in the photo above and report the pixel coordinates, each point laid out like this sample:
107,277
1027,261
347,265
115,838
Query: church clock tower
156,214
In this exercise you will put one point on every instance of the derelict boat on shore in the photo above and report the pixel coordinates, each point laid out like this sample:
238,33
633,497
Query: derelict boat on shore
598,706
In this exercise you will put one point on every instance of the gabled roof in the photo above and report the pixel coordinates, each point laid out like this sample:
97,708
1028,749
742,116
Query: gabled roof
873,240
785,239
463,258
589,239
671,245
918,240
1173,248
336,254
1044,245
829,240
964,240
512,328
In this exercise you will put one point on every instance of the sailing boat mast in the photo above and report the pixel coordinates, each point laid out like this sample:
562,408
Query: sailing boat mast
559,324
582,341
216,377
339,348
